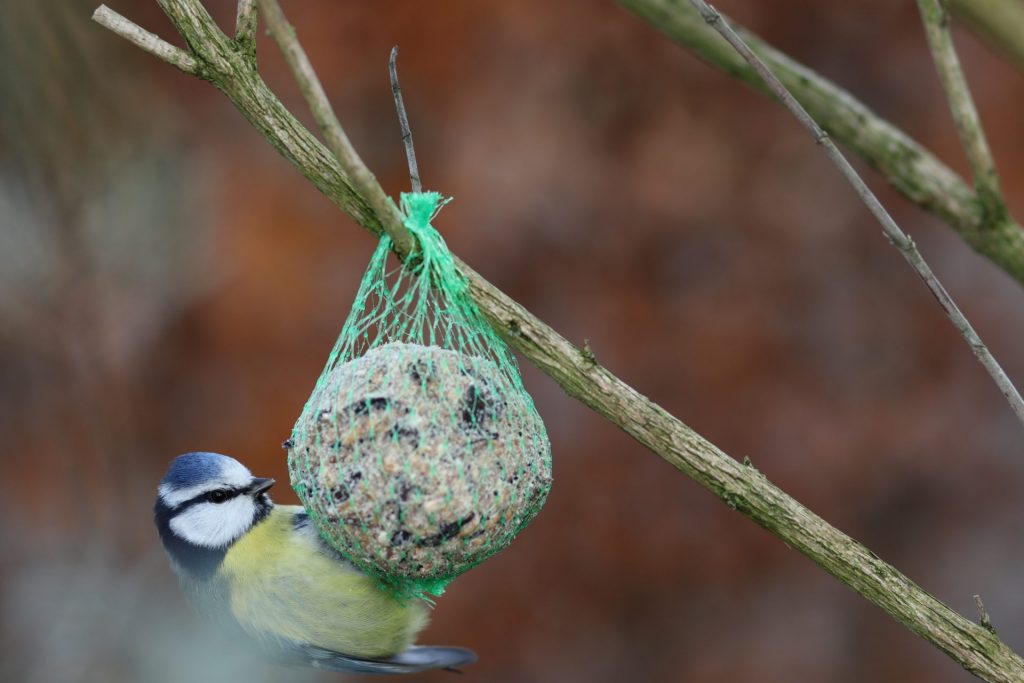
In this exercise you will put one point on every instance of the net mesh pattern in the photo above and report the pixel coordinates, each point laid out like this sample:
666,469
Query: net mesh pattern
419,453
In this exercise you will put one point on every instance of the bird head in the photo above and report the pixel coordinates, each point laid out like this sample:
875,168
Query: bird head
207,501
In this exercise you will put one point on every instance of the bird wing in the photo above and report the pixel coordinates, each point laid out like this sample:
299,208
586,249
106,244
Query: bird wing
412,660
284,589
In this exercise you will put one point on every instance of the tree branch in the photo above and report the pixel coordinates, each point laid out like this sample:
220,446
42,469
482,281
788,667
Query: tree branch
365,183
741,487
999,22
245,27
965,115
149,42
896,236
908,167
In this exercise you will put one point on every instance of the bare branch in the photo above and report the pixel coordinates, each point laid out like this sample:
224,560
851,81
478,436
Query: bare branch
246,20
403,122
364,181
907,166
577,372
747,491
896,236
965,115
998,22
150,42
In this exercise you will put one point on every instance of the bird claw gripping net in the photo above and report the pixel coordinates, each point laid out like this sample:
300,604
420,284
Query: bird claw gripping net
419,453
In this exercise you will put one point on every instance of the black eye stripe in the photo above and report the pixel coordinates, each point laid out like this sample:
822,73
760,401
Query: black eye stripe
205,498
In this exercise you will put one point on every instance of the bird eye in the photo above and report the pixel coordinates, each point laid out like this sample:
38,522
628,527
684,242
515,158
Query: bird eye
218,496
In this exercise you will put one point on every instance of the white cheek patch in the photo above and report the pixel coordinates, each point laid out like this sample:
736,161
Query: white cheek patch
215,525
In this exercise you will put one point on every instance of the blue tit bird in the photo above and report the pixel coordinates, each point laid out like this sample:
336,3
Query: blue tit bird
261,571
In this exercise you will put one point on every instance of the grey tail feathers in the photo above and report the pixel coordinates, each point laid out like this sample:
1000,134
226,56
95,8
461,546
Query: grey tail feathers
412,660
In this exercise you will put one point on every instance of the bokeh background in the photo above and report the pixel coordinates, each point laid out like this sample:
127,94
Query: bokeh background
168,283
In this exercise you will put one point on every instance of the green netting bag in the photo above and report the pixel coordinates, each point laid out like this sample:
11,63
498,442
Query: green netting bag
419,453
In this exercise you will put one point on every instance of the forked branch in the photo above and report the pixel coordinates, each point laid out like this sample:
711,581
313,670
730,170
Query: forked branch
366,185
910,168
577,372
896,236
965,114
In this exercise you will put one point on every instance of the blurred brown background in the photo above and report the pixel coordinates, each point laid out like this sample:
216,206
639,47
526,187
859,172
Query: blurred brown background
168,283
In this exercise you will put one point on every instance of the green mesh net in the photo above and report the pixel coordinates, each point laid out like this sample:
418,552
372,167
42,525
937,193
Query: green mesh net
419,453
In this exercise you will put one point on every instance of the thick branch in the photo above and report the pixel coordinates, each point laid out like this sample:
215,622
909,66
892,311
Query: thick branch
748,491
740,486
999,22
910,168
965,115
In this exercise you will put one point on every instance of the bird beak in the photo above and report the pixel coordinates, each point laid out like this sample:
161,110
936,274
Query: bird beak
259,485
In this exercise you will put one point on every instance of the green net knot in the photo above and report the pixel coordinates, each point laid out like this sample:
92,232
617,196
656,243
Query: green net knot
419,208
432,259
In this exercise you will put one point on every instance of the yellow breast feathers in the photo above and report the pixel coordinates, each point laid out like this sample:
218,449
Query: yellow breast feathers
284,585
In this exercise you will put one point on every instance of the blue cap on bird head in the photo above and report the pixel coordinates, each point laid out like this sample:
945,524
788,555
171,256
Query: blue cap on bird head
194,468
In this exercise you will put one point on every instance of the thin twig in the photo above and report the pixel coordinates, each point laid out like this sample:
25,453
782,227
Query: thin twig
403,121
743,488
896,236
149,42
910,168
365,183
965,114
246,20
